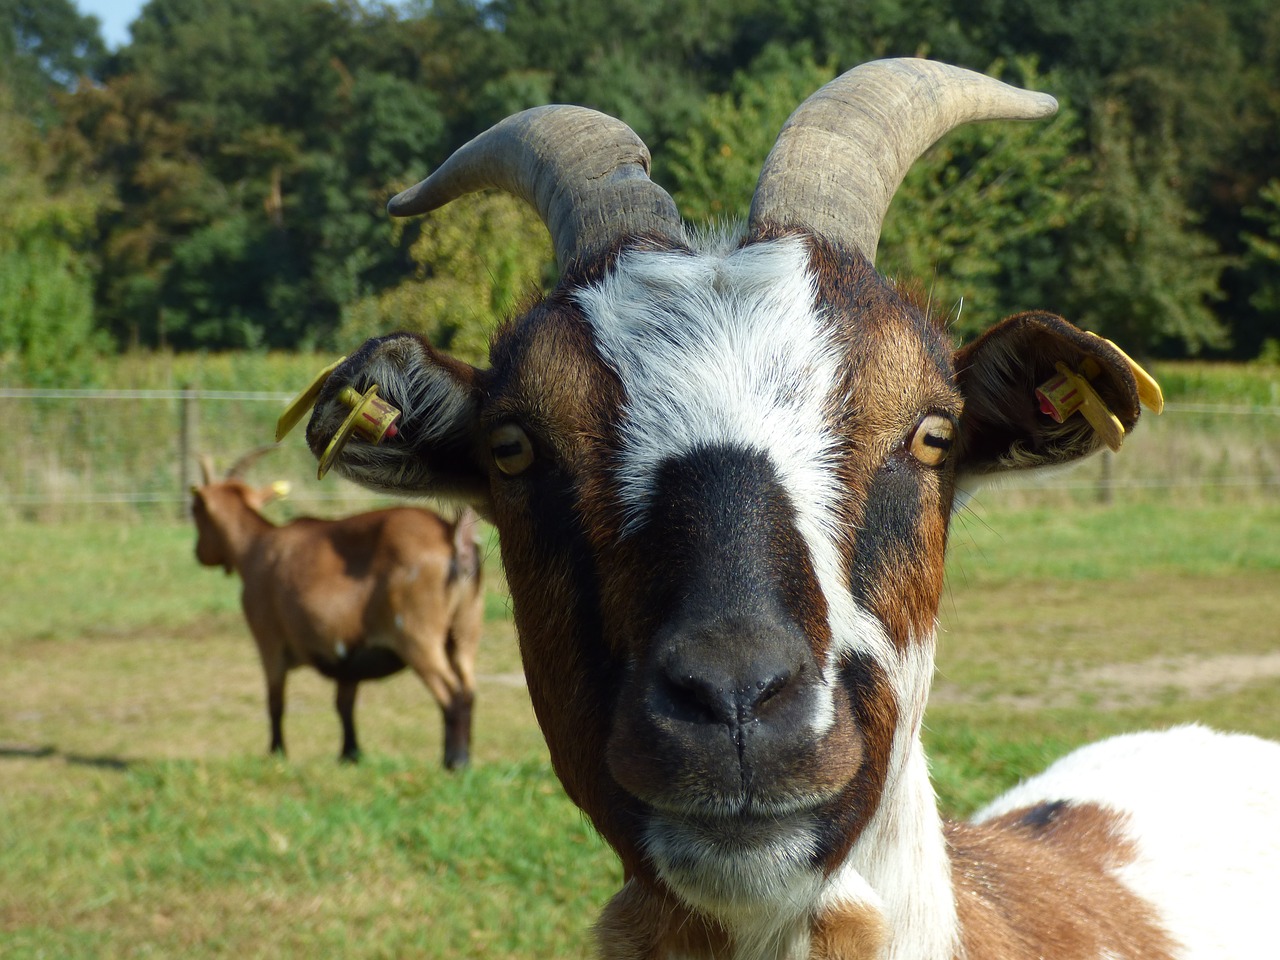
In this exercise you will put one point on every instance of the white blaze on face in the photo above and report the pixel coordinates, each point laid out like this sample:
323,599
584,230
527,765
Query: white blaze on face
730,349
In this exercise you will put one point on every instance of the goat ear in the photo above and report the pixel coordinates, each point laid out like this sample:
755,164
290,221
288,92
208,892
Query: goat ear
436,447
1006,427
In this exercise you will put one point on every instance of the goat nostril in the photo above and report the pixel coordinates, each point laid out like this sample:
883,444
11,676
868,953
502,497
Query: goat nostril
695,700
691,698
766,690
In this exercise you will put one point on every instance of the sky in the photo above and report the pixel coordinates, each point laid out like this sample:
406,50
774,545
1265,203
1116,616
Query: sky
116,15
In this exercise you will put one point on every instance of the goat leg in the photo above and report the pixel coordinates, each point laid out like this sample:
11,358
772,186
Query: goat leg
345,701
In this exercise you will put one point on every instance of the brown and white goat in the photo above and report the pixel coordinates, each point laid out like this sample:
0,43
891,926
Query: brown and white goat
722,470
356,598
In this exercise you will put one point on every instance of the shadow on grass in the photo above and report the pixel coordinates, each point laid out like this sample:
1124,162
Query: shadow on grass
11,751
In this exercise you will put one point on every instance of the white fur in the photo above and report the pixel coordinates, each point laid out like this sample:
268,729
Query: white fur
902,854
722,350
727,347
1204,810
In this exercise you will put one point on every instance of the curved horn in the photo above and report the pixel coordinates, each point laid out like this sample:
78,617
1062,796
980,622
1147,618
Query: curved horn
206,469
842,154
247,460
586,173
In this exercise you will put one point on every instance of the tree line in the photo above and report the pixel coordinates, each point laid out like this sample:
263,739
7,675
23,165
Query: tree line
219,182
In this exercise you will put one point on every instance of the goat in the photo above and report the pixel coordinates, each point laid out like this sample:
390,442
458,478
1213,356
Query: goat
722,470
356,598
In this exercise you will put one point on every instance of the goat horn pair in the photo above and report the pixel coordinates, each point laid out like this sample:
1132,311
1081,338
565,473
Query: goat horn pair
832,171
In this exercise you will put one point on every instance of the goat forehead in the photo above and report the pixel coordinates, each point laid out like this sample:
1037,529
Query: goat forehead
759,349
718,351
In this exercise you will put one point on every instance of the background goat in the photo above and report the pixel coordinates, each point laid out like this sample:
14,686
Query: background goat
723,472
356,598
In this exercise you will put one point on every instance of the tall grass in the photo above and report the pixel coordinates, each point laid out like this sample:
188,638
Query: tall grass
122,458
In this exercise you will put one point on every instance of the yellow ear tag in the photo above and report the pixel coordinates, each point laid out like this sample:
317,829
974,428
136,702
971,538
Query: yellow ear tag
370,416
299,405
1149,393
1069,392
280,489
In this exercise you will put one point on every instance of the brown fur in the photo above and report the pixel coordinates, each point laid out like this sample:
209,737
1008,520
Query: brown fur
897,367
555,384
643,923
403,580
851,932
1041,883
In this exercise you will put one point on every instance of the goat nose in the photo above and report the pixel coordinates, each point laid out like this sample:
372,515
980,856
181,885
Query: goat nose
703,689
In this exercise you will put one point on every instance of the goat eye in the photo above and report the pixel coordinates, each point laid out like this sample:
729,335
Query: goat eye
931,442
512,451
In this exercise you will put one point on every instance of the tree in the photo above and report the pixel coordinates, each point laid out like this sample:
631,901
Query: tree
1262,260
979,219
1139,271
976,219
714,166
253,144
46,45
476,260
46,286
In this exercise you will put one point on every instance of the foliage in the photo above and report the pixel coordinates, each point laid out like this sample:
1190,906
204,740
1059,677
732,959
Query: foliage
251,145
713,167
46,286
980,218
1140,273
1263,246
475,261
46,45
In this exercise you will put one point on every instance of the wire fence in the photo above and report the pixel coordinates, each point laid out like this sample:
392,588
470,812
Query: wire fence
114,452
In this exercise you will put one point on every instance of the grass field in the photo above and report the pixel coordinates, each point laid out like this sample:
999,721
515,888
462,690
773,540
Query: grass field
139,816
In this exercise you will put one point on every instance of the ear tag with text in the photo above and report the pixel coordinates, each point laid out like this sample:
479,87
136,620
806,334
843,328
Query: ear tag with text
1070,392
371,417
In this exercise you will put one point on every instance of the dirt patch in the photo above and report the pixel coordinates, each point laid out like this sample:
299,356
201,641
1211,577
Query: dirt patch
1131,684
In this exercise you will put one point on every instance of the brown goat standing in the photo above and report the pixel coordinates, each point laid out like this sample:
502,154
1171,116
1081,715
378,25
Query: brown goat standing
357,598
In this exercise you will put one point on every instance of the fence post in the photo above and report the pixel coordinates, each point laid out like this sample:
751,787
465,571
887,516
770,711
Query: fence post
1105,492
188,414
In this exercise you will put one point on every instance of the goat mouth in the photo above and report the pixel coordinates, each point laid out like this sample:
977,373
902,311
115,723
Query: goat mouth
748,857
737,810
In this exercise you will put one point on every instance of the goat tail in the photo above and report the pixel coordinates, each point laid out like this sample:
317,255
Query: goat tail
466,549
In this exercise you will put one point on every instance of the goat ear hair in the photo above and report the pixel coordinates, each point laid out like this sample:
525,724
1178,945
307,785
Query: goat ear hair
1006,423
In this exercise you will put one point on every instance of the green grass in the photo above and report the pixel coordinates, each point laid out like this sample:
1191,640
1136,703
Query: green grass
1100,543
1254,384
250,857
139,816
103,578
